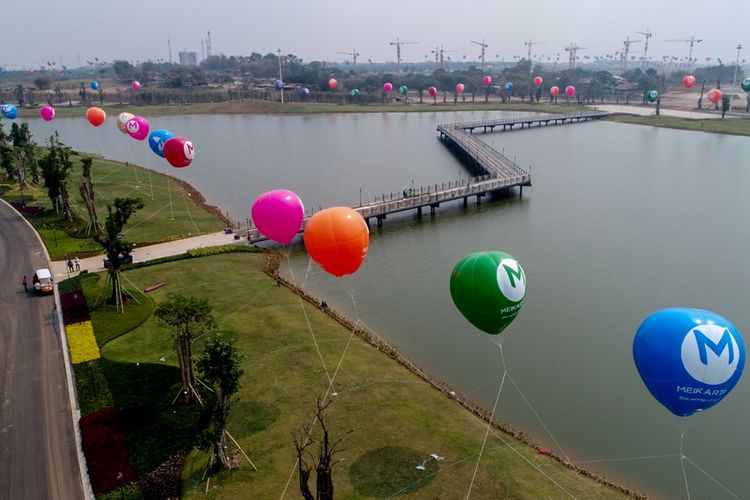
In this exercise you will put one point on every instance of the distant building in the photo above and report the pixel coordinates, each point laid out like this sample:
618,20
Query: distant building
189,58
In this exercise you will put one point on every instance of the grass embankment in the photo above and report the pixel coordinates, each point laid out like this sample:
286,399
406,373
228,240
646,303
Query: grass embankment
266,107
398,419
734,126
170,210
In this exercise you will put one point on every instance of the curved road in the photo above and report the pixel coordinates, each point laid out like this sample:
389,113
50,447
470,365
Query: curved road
38,457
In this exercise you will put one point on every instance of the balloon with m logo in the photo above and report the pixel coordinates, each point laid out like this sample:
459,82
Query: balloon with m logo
488,288
689,359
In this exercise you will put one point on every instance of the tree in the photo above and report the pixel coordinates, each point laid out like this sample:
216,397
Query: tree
123,70
324,462
89,197
220,366
19,94
114,244
189,316
56,168
43,81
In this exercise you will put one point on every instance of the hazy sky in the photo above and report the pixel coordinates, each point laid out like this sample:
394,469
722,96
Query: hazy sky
36,31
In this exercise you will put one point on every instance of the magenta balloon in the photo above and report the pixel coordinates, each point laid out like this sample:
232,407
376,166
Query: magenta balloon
387,87
278,215
137,128
432,91
487,80
570,91
47,113
135,85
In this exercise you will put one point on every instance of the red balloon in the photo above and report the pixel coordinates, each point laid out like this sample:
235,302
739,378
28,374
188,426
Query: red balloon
432,91
688,81
554,90
332,84
538,81
179,151
714,95
460,88
337,238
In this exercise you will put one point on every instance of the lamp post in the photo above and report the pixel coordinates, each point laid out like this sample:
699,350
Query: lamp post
736,65
278,51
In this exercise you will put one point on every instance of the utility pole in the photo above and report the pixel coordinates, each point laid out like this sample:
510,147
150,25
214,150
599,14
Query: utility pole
484,46
572,49
398,43
692,41
648,35
529,44
353,54
281,90
626,53
736,65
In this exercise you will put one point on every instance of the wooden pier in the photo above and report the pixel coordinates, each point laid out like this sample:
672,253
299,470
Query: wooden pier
496,171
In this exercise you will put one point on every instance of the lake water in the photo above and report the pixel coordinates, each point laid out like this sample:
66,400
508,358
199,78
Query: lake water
621,221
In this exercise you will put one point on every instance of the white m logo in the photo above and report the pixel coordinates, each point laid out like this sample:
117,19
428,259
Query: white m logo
710,354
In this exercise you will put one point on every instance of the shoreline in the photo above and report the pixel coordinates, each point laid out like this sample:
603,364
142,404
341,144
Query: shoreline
273,262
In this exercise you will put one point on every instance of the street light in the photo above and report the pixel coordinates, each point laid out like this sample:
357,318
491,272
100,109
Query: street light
736,65
278,51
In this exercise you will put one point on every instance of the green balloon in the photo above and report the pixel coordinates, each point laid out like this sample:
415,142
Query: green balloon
488,288
403,89
745,84
355,93
652,95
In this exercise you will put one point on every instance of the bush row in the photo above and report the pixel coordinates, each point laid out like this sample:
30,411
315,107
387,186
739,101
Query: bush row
195,252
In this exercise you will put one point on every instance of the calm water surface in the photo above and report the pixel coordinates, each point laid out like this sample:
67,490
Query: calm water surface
622,220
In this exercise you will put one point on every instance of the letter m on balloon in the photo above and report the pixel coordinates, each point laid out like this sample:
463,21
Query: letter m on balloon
514,274
725,342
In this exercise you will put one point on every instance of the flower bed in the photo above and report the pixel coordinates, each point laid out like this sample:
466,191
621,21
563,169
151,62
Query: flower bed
106,451
74,307
81,342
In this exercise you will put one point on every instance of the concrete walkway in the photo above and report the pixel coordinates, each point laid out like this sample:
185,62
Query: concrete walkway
651,110
95,264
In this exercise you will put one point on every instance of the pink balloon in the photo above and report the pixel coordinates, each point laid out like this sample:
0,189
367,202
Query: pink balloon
554,90
538,81
47,113
487,80
332,84
432,91
278,215
135,85
570,91
137,128
460,88
387,87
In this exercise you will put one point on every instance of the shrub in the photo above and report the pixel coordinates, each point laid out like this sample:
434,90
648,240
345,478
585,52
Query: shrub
92,386
106,451
74,307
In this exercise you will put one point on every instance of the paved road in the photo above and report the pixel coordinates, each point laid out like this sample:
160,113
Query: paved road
38,457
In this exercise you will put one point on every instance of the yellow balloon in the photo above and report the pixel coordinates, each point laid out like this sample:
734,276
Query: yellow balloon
122,119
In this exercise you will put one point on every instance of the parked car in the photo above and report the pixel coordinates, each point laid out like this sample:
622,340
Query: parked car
124,259
42,281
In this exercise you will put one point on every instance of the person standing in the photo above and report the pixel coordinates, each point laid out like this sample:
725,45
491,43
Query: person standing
70,265
25,289
77,262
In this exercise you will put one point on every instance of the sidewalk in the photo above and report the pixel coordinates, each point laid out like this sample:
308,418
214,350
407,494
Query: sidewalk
651,110
94,264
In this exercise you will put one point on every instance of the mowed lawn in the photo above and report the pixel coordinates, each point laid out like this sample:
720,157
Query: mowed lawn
397,419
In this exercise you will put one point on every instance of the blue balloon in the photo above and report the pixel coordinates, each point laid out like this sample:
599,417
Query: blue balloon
279,85
689,359
304,92
508,86
9,111
94,85
156,140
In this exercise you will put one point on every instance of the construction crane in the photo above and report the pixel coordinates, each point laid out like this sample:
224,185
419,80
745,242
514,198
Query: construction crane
692,41
626,53
529,44
439,54
573,50
484,46
398,43
353,54
648,35
209,46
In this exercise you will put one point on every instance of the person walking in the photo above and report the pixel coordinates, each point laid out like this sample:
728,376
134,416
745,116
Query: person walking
70,265
25,288
77,262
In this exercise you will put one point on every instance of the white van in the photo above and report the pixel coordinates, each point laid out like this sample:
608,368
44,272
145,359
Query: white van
42,281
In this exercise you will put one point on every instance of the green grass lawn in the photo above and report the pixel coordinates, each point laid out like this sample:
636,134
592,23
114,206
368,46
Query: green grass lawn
734,126
169,211
398,419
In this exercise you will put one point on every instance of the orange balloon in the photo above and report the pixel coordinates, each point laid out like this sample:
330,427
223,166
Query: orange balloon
96,116
337,238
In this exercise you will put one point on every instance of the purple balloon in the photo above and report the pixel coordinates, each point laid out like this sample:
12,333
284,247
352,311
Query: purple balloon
137,128
279,84
278,215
